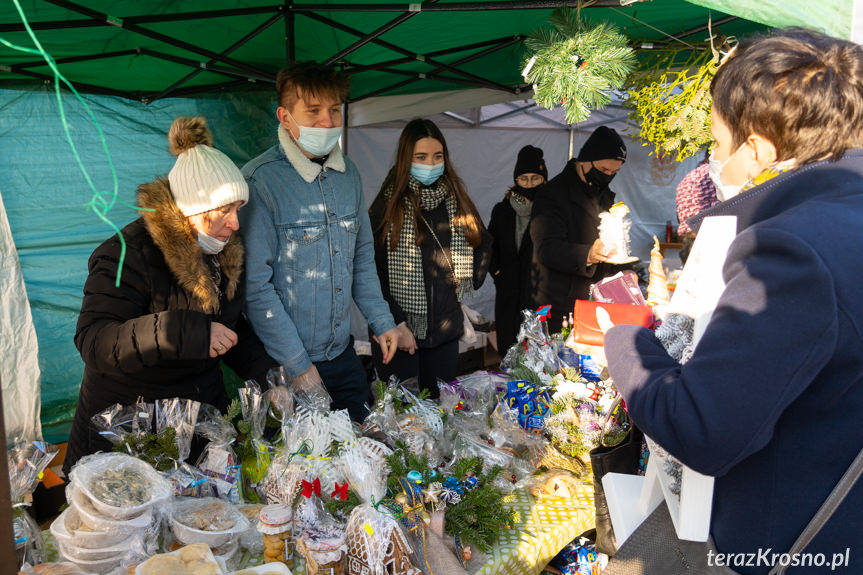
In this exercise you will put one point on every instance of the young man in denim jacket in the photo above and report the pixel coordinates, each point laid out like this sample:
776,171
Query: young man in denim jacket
309,244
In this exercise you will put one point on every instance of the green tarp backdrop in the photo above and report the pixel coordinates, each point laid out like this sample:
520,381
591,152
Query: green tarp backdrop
143,63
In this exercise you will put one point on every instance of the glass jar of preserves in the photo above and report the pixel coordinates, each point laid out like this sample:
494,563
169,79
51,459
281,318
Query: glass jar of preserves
277,526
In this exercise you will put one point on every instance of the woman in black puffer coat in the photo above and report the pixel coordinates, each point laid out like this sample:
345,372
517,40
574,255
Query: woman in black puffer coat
178,309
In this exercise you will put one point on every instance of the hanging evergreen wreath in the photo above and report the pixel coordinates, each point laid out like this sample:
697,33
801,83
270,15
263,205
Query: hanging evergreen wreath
577,65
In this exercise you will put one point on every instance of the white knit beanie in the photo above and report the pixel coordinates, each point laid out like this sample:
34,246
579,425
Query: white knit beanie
203,178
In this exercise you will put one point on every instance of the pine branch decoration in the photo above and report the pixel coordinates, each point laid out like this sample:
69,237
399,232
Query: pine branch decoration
461,467
402,461
577,65
521,371
481,516
672,112
342,509
554,459
235,410
160,451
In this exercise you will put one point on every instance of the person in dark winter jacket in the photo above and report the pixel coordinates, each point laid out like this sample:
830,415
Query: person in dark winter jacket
512,251
769,400
564,226
431,250
177,311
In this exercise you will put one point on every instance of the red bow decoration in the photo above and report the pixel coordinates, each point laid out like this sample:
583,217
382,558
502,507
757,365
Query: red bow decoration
341,491
309,488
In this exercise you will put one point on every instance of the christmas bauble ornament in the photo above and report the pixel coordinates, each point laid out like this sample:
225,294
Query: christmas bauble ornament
449,496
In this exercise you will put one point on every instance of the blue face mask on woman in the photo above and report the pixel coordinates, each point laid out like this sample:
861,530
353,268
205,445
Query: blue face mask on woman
425,174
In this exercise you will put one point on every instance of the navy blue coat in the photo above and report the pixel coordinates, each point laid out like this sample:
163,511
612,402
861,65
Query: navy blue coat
771,401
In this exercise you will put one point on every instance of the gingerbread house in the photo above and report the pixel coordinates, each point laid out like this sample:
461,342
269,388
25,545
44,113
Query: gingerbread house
365,546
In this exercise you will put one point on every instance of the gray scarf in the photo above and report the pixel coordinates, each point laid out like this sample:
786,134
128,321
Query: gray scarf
522,207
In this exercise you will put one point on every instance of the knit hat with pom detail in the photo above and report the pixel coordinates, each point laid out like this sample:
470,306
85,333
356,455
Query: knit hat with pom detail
203,178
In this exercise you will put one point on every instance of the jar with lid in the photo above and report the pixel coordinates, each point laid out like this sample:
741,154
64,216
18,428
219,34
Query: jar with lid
277,526
323,547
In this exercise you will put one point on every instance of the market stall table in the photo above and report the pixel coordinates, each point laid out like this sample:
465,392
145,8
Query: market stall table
543,529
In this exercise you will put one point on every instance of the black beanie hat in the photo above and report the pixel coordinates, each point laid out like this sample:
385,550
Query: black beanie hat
603,144
530,162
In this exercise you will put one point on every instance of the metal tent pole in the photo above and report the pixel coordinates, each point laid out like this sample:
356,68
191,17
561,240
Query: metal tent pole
453,6
86,87
513,40
356,69
205,67
382,30
73,59
154,35
201,67
143,19
508,114
290,34
345,123
476,80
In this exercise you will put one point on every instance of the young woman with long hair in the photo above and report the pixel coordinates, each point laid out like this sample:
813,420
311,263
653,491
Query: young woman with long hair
431,250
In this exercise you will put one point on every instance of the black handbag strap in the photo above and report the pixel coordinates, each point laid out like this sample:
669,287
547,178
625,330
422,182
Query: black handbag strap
826,510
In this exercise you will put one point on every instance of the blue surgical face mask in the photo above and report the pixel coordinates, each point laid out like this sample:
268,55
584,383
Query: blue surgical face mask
317,141
425,174
210,245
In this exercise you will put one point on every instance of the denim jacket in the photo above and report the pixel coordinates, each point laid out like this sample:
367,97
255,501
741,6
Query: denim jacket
309,251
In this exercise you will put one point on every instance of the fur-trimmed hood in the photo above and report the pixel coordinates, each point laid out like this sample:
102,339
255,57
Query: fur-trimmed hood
174,236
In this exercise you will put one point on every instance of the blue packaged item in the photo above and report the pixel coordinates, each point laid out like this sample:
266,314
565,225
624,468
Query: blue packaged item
531,422
568,356
513,387
543,402
525,402
579,558
527,407
588,368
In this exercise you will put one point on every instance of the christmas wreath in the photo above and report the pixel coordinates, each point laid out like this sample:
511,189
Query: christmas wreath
577,65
